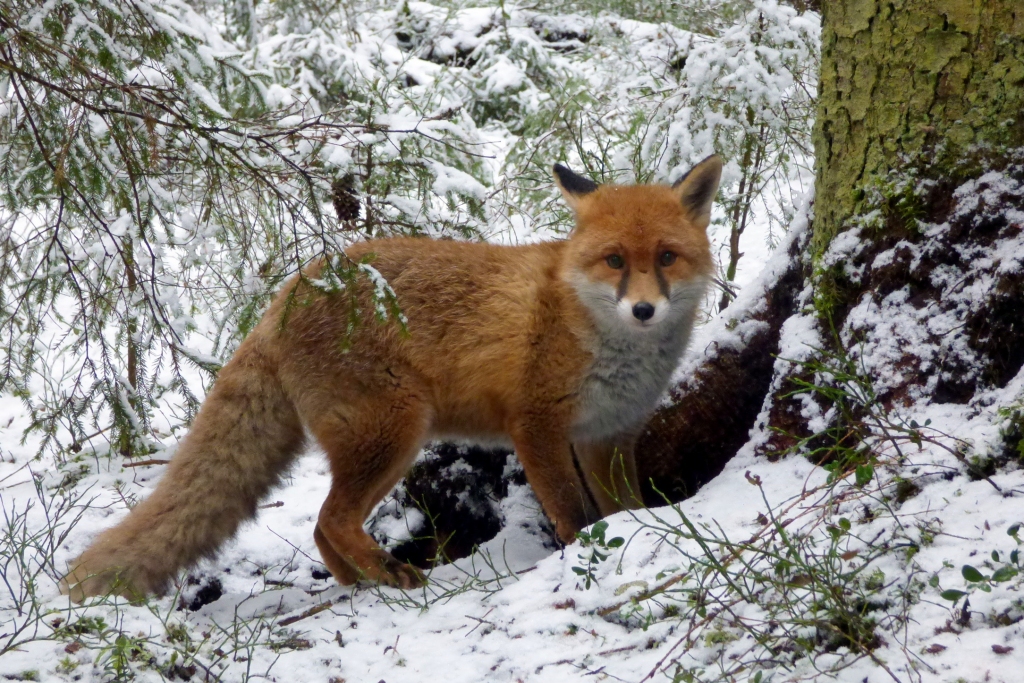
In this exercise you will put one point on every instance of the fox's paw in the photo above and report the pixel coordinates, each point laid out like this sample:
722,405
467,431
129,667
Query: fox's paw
396,574
566,530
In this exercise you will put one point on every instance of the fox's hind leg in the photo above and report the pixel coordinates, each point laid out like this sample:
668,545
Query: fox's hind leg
370,447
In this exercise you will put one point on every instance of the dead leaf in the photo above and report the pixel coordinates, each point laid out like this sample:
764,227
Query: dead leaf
800,580
1002,649
934,649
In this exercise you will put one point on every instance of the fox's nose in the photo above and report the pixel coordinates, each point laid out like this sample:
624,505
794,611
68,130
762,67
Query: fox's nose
643,311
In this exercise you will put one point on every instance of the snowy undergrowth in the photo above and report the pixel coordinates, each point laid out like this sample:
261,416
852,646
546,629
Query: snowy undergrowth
779,569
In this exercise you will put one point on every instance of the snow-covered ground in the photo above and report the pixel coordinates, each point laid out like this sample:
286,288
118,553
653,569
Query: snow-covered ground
772,572
519,611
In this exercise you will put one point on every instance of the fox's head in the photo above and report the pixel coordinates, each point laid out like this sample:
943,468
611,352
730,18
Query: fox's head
639,255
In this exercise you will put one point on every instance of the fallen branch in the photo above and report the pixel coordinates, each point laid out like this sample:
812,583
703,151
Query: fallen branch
646,595
308,613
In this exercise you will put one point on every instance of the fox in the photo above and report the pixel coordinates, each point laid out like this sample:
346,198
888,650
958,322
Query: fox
560,348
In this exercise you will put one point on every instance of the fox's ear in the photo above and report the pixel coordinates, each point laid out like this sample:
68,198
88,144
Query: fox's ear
574,187
697,189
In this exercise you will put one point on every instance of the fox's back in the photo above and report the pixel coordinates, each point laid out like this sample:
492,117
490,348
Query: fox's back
473,313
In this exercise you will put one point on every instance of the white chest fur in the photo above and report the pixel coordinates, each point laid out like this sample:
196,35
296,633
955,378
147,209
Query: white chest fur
623,386
630,371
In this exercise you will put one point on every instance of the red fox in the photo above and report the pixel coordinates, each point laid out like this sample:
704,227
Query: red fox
562,348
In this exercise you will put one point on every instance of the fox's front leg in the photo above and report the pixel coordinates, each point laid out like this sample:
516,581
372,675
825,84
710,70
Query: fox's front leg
546,456
609,468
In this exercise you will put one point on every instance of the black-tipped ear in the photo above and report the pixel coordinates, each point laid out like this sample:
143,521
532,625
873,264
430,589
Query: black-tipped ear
574,187
697,189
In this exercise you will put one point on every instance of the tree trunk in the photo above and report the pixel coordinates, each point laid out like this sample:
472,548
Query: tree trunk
918,82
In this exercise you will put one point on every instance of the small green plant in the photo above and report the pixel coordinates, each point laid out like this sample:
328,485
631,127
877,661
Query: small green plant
120,655
1003,571
1012,430
80,627
66,665
597,551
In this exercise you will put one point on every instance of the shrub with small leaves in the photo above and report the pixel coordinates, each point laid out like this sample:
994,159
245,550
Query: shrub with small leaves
1005,570
597,550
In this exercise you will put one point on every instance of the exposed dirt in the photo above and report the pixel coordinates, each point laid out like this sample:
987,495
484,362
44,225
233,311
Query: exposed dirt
198,591
458,489
944,259
992,322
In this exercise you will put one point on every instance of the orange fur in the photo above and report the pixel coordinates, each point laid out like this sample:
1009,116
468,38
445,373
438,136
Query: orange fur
530,344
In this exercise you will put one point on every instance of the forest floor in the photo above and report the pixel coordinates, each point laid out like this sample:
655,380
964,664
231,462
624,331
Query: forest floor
774,571
903,568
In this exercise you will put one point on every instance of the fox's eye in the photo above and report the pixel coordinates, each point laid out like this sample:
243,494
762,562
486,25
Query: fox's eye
667,258
615,261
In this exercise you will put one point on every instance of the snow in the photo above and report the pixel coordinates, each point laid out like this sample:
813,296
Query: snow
540,624
516,610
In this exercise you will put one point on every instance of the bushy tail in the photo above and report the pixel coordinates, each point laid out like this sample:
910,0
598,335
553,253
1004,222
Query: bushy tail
246,434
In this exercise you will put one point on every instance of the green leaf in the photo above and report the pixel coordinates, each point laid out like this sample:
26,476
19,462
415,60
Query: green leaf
972,574
864,474
1012,531
952,594
844,524
579,570
616,542
1004,573
995,555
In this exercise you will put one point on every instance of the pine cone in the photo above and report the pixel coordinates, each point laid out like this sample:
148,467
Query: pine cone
346,201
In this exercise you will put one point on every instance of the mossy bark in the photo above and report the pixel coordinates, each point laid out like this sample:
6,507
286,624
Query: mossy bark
926,83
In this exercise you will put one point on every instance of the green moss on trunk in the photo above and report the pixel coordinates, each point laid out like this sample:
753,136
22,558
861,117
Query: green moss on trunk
920,82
